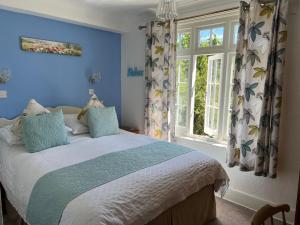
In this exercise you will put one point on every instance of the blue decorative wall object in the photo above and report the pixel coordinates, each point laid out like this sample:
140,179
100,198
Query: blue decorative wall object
55,79
134,72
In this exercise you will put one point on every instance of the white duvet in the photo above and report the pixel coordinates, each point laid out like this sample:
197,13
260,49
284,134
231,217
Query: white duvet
134,199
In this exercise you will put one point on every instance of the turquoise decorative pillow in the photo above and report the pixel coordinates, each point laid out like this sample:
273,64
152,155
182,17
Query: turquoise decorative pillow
44,131
102,121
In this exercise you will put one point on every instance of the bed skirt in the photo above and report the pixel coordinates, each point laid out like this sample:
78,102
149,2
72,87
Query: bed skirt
198,209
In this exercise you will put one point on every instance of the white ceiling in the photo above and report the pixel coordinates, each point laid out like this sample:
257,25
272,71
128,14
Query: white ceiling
135,4
138,7
115,15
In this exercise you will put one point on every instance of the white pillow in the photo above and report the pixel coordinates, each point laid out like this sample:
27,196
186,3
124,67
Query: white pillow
33,108
9,137
72,122
93,102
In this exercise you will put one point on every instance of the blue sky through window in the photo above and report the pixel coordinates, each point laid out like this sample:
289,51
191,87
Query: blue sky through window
204,38
206,35
219,32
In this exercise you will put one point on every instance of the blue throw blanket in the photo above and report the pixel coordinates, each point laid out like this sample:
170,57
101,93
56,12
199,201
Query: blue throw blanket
55,190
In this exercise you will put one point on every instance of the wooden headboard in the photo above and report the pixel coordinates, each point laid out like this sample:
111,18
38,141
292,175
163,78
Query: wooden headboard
65,109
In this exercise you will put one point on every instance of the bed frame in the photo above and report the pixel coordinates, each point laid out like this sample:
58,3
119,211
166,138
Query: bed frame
198,209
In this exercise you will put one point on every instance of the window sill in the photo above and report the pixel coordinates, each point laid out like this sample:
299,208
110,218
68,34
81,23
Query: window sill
212,149
202,140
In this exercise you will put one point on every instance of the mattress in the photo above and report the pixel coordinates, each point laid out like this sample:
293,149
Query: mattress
136,198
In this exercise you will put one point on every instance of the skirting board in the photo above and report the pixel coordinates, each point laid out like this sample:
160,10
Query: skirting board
253,203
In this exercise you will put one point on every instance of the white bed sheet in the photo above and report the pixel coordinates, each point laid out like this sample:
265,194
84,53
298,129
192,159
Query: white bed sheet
134,199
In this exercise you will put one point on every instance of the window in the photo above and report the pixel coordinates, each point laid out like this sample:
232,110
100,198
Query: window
212,102
205,71
211,37
235,33
182,71
184,40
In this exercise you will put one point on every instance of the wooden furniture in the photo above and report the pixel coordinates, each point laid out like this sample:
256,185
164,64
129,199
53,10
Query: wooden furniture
267,212
297,215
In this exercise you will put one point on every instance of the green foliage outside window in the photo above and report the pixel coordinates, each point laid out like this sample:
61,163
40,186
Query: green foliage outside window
184,40
200,94
215,40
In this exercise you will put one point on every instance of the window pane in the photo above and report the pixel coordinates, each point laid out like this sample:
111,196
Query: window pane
209,77
183,94
215,120
211,37
184,40
182,116
217,100
217,36
182,74
184,70
200,94
235,33
178,42
212,95
204,36
211,116
218,75
214,71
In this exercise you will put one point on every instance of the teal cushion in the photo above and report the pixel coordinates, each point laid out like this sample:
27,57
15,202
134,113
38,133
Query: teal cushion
102,121
44,131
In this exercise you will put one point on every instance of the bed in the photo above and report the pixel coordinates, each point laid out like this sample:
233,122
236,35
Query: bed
178,191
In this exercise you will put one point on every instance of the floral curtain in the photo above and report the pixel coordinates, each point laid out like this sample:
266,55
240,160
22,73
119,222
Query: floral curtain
160,79
257,89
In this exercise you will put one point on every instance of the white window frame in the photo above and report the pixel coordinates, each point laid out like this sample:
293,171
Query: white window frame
215,56
226,19
180,129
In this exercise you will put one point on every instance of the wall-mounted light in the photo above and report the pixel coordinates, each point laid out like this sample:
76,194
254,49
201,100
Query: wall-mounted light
5,76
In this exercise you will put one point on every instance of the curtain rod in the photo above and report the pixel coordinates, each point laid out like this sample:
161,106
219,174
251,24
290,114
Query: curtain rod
141,27
262,2
206,14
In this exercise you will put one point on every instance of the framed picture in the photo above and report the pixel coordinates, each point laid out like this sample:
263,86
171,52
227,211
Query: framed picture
53,47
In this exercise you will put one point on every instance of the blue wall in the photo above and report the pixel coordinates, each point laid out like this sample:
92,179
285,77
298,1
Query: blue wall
55,79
